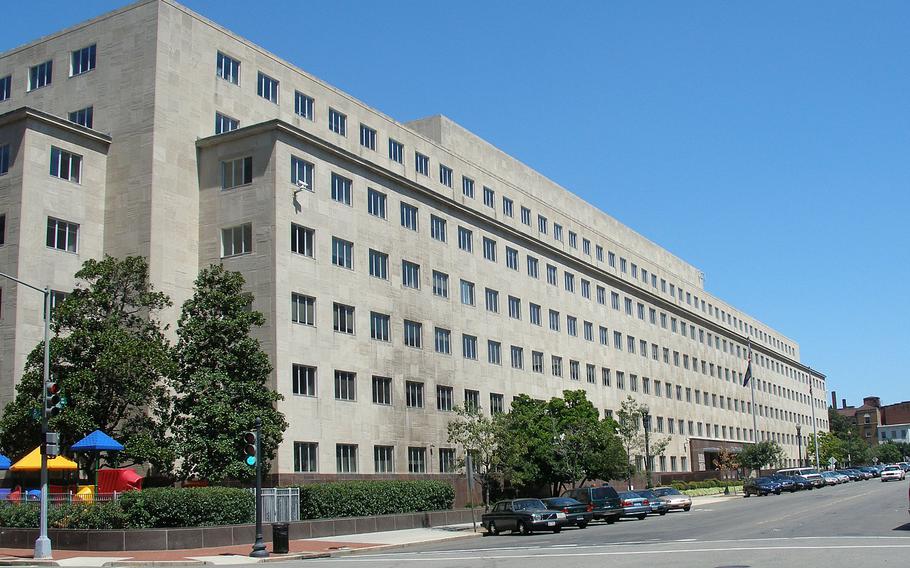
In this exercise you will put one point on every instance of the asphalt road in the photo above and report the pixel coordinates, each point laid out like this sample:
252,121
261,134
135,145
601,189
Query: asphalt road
857,524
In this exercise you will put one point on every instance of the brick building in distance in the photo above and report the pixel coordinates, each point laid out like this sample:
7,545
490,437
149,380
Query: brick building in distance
877,423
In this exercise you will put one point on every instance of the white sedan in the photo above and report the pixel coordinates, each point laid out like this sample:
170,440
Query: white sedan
892,472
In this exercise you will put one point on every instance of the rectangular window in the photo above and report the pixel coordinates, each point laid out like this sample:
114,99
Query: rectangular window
342,253
605,376
489,249
304,379
554,320
556,364
438,228
617,340
537,361
489,197
376,203
569,281
413,392
6,85
446,460
66,165
517,357
511,258
526,216
514,307
604,337
467,187
343,318
591,374
410,274
379,326
384,459
382,391
86,117
542,224
494,352
535,314
422,164
341,189
62,235
614,300
40,75
445,175
346,458
440,284
573,240
585,289
379,264
267,87
442,341
417,460
611,259
413,334
572,326
496,404
551,274
237,240
557,232
338,122
465,239
408,216
302,240
235,173
492,300
303,105
586,246
533,268
305,457
227,68
2,238
368,137
83,60
445,398
303,309
589,331
467,293
301,173
507,207
396,151
469,346
345,385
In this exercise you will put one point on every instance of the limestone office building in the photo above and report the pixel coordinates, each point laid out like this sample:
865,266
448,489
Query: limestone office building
417,268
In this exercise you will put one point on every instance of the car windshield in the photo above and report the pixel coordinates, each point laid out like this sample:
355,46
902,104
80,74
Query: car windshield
647,494
603,493
629,495
664,491
528,505
891,468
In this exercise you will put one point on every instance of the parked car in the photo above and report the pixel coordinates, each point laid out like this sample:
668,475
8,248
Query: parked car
871,470
851,473
523,516
760,486
604,500
904,466
634,505
804,483
892,472
831,478
786,483
676,499
658,505
577,513
843,477
809,473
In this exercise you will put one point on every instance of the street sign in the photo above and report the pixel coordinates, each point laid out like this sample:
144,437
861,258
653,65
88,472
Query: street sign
831,461
875,460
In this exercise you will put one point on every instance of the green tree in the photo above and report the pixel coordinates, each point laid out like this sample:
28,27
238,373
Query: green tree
889,452
631,432
222,380
111,360
829,446
479,435
762,454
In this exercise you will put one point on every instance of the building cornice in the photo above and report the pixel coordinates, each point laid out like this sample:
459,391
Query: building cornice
27,113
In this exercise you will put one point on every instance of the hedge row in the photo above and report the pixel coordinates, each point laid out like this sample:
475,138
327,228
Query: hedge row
707,484
149,508
367,498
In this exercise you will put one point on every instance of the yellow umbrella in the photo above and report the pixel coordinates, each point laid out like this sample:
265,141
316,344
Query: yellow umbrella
32,462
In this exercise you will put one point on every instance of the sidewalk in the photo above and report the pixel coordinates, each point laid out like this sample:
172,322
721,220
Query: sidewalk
227,555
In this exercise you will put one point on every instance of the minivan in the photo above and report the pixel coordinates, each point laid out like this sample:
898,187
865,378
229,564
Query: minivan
604,500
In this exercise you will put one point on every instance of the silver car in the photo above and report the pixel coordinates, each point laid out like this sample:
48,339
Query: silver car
672,496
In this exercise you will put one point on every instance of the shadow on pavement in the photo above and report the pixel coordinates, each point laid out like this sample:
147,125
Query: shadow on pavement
905,527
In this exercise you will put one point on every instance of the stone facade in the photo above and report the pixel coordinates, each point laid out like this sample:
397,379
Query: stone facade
616,314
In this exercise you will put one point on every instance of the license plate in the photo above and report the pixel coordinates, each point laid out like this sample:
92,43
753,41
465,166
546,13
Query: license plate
551,523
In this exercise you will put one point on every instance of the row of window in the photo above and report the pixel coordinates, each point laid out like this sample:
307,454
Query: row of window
228,69
306,458
41,75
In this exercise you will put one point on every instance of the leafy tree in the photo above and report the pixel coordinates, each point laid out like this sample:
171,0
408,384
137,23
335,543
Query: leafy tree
631,432
889,452
762,454
111,360
527,443
726,462
222,380
479,435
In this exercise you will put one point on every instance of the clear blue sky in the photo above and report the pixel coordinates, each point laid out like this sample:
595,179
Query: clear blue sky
767,143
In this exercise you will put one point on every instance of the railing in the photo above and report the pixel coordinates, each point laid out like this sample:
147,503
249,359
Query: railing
57,499
280,504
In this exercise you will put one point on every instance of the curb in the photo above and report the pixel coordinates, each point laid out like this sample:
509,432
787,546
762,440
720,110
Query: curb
385,547
155,563
27,562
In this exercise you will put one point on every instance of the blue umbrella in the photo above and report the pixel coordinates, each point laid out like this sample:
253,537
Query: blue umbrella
95,443
4,462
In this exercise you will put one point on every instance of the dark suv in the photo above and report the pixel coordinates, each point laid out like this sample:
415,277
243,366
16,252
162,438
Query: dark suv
604,499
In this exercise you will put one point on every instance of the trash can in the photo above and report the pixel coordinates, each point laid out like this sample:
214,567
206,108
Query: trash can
280,538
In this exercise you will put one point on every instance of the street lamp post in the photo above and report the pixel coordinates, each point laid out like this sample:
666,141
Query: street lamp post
43,542
646,422
799,443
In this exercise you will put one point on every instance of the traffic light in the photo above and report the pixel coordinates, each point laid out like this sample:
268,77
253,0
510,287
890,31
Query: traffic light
52,444
250,445
53,403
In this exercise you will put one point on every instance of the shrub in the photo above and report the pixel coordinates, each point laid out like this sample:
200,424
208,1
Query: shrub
192,507
367,498
102,515
19,516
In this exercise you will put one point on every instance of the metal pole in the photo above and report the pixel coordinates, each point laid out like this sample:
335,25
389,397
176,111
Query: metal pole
43,542
814,423
646,422
799,444
259,550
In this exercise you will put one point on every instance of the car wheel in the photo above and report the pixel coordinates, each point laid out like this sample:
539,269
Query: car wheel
777,492
557,529
687,508
493,529
524,528
611,520
582,524
641,517
662,513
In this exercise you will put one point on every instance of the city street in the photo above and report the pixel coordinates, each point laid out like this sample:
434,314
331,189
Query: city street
860,523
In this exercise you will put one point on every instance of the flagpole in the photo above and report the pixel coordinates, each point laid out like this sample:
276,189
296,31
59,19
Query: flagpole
814,422
752,382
